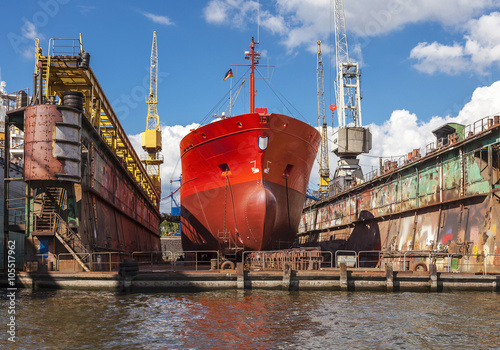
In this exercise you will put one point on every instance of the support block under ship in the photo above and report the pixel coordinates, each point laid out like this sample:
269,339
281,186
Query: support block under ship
244,179
87,190
443,207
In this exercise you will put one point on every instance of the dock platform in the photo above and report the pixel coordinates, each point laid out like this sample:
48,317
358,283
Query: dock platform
342,279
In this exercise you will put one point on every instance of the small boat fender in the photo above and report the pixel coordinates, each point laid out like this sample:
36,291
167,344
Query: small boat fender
227,265
419,266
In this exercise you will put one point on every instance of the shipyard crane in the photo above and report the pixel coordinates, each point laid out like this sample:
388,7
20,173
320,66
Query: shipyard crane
151,138
350,138
324,168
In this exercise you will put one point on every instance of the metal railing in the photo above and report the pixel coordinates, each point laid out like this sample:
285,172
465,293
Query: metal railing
203,261
405,260
415,255
45,259
470,130
372,257
109,261
497,260
17,210
64,47
44,221
276,259
350,253
76,267
16,99
159,157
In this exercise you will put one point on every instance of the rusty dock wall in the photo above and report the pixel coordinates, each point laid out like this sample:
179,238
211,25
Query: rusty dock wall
447,201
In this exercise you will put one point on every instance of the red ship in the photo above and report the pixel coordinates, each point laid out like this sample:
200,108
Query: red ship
244,179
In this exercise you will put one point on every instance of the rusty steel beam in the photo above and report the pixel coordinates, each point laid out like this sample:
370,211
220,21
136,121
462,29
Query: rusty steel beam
106,106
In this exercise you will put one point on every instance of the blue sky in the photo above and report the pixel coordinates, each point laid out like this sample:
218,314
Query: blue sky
421,60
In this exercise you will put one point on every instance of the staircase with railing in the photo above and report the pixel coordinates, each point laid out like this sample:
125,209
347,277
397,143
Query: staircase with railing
50,202
72,242
48,222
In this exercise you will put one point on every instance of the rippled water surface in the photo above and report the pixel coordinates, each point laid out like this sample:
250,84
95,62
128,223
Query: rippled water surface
253,320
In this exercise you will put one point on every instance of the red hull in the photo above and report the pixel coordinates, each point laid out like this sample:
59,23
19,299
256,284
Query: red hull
244,182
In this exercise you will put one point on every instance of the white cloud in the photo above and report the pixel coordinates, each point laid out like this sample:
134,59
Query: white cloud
171,136
479,51
28,52
158,19
484,102
216,12
24,44
404,132
368,17
436,57
300,22
29,31
240,13
276,24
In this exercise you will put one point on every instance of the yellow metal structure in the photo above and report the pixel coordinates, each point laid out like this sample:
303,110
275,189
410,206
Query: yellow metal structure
324,167
61,71
151,138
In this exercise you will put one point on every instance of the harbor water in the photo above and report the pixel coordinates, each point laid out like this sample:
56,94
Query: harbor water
251,319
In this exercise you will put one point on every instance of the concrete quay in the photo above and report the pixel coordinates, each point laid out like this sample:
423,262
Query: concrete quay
342,279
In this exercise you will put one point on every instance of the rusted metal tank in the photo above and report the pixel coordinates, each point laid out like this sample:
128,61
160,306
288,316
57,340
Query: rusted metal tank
52,145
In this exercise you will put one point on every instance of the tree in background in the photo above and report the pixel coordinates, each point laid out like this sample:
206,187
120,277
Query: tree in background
168,228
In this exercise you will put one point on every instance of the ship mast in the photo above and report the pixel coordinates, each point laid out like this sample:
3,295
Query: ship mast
254,57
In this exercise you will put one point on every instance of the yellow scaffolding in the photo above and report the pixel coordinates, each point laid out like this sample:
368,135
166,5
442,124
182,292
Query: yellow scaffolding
62,70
